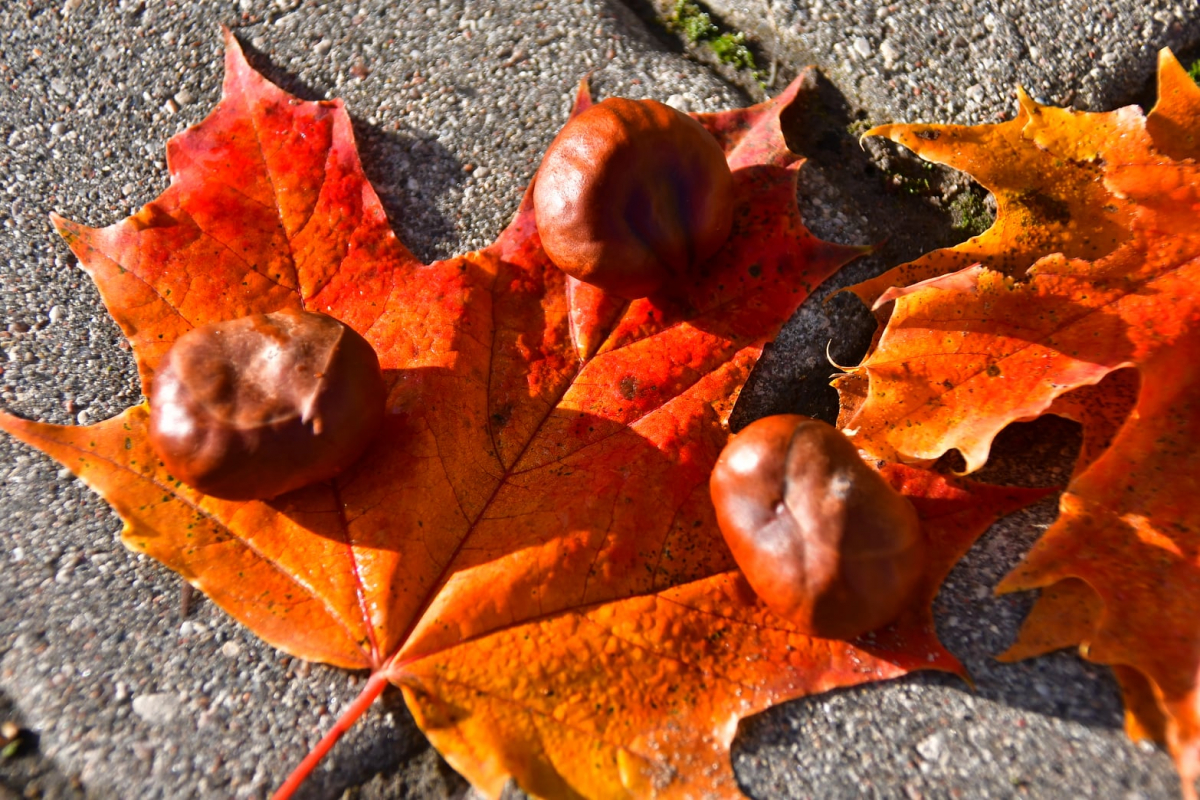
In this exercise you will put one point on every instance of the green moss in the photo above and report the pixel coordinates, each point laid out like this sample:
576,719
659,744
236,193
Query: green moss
11,749
970,213
697,26
858,127
731,49
1194,71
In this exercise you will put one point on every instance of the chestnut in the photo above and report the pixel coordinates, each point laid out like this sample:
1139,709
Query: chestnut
250,408
630,194
822,539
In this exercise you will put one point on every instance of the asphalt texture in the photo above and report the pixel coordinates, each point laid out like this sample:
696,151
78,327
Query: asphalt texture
119,694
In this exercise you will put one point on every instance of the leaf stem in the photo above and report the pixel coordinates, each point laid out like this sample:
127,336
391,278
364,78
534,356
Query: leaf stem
375,686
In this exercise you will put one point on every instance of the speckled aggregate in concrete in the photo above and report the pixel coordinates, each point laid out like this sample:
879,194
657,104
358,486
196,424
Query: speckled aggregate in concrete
453,105
961,61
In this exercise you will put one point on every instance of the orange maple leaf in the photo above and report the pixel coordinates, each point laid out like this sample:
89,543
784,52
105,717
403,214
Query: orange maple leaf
528,549
1082,300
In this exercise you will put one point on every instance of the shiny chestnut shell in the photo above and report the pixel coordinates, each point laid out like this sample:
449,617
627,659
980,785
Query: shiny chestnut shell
250,408
823,540
630,194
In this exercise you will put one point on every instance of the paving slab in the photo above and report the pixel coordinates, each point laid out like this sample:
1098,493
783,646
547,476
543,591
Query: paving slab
127,699
961,61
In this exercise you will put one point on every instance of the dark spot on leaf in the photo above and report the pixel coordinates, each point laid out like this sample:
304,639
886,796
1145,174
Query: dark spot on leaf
1049,208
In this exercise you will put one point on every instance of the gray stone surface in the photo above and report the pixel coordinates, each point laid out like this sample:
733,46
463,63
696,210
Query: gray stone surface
123,698
961,61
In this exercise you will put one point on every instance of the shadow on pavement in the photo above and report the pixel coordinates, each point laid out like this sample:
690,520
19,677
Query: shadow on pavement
904,216
27,772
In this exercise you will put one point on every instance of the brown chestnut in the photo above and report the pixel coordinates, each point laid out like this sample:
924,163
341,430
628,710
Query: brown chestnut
630,194
822,539
250,408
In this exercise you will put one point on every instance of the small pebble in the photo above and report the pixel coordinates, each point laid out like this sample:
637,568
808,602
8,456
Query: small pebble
930,748
890,52
862,46
183,97
323,47
157,709
679,103
57,313
231,649
58,128
83,418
